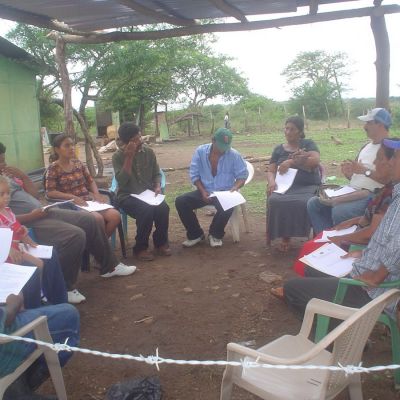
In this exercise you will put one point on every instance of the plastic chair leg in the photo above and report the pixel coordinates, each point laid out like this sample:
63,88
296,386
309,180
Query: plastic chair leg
122,239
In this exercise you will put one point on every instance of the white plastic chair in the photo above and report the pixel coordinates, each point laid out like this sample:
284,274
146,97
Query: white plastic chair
41,332
348,340
234,220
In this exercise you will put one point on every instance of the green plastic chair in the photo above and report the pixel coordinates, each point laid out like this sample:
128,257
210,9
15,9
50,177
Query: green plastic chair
323,321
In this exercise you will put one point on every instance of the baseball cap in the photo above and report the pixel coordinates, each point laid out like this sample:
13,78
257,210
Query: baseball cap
379,115
223,139
392,143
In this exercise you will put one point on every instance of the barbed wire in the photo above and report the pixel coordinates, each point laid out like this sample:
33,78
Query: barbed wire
244,363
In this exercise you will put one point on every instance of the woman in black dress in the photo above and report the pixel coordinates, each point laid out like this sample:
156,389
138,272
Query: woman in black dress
287,213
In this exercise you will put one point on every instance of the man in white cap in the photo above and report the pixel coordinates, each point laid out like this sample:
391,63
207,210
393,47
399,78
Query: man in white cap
361,174
378,263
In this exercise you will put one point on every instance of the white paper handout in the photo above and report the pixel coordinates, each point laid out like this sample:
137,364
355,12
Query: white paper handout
285,181
95,206
228,199
6,235
56,204
328,259
44,252
13,278
339,191
149,197
334,232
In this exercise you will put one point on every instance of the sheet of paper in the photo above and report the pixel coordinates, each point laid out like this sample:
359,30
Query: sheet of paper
40,251
228,199
95,206
339,192
13,278
334,232
149,197
328,259
5,240
285,181
56,204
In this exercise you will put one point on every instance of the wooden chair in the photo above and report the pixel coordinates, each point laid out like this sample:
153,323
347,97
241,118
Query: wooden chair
323,322
41,332
348,340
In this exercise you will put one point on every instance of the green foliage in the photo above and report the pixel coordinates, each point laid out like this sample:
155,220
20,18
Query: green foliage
317,81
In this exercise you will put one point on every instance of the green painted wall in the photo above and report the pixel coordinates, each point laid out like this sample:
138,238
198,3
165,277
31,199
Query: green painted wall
19,115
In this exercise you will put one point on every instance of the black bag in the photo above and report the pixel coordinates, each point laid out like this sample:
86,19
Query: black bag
136,389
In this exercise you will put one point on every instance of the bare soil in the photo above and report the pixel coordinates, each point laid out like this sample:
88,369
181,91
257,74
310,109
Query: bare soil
199,300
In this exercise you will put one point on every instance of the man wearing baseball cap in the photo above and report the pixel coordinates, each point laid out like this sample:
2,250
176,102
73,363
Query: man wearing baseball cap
378,263
215,166
361,175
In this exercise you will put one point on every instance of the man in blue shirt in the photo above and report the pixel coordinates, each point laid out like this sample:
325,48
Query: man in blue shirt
378,263
215,166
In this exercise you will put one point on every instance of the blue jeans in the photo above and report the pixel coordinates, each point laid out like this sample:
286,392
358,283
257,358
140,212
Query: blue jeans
324,217
63,322
52,284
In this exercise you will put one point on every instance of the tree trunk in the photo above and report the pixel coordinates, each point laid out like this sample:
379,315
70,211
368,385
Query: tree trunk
65,86
89,140
382,63
141,117
156,120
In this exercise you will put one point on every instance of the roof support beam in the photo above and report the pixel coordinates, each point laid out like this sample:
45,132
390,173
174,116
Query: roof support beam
157,16
225,7
230,27
13,14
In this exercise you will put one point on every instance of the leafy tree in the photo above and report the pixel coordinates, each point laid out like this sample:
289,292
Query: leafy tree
317,81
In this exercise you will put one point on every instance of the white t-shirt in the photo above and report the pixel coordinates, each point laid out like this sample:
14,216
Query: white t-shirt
366,157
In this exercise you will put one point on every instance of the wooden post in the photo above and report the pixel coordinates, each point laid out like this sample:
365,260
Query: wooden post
329,117
348,115
65,86
382,63
305,119
156,120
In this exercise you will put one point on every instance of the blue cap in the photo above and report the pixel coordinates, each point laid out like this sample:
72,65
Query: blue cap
378,115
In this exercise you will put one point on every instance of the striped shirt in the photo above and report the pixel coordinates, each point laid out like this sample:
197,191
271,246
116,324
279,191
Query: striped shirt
383,249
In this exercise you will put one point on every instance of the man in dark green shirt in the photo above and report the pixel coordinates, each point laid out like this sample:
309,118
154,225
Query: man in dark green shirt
136,170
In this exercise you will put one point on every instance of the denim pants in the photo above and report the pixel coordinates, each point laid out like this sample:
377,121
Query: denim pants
324,217
52,284
63,322
186,203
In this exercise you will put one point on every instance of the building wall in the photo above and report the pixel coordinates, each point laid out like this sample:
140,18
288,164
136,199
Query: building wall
19,115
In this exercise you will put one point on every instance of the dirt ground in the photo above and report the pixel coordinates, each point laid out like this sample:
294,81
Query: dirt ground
190,306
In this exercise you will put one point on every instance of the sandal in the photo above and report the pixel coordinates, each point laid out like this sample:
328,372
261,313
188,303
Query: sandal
278,293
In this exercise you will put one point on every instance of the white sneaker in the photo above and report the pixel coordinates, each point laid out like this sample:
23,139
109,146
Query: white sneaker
120,270
193,242
74,297
214,242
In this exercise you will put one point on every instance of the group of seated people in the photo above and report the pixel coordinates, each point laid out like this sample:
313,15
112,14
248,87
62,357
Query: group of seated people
214,166
373,207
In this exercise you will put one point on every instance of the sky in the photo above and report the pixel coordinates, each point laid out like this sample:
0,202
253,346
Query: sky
262,55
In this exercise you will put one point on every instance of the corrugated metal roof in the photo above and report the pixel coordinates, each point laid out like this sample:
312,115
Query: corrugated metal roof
89,15
10,50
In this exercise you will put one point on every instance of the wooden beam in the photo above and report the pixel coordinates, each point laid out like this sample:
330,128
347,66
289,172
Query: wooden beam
313,7
227,8
382,63
40,21
231,27
157,16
